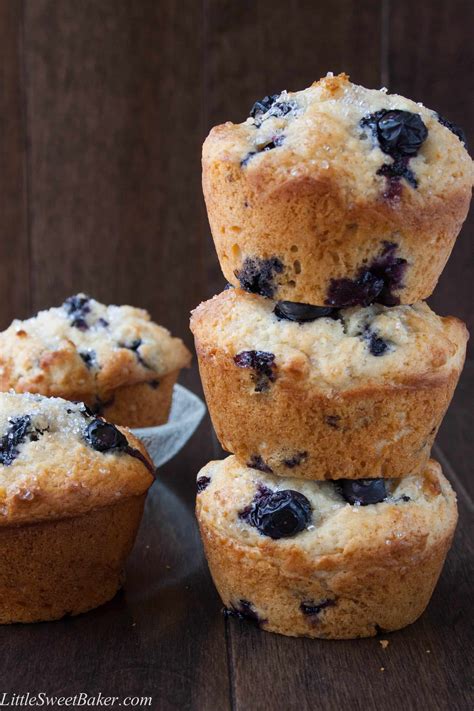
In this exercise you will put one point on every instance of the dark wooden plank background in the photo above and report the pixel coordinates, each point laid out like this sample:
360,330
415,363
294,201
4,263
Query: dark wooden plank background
104,105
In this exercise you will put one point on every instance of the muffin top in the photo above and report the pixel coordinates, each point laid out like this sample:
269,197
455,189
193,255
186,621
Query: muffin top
341,349
368,141
57,460
83,350
282,515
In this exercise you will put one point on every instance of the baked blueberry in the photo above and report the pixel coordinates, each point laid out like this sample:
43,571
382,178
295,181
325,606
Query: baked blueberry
89,358
243,610
202,483
135,347
104,437
457,130
261,107
311,608
376,345
397,170
19,429
399,133
78,302
258,275
246,159
373,283
272,106
270,145
263,365
362,491
293,311
279,514
77,307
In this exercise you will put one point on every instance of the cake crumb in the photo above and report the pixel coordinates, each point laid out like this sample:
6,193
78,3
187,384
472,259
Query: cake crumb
384,643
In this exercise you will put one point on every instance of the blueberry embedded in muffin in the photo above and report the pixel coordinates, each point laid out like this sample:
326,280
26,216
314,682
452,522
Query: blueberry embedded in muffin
275,105
105,437
258,275
399,134
363,491
302,313
278,514
19,430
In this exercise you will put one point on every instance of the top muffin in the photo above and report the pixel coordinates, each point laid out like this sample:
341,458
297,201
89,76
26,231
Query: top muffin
84,350
336,195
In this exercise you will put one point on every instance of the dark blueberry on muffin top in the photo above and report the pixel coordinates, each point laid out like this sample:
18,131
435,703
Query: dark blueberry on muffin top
258,275
271,105
399,133
257,462
104,436
202,483
263,105
278,514
374,282
362,491
77,307
18,431
376,345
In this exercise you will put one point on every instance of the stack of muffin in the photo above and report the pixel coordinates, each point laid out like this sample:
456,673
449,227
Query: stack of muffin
333,211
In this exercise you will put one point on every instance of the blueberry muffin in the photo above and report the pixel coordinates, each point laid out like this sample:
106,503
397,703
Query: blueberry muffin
324,559
324,393
72,489
336,195
113,358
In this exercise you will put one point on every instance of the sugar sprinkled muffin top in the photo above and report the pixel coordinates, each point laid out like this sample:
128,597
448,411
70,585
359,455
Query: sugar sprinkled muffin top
345,349
57,459
84,349
367,137
241,504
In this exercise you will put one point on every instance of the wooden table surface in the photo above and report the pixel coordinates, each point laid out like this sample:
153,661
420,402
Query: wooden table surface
164,635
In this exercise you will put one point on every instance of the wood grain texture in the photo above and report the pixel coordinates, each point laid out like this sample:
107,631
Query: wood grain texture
14,250
113,114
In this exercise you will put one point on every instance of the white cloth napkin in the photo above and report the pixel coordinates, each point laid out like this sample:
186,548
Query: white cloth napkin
164,441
